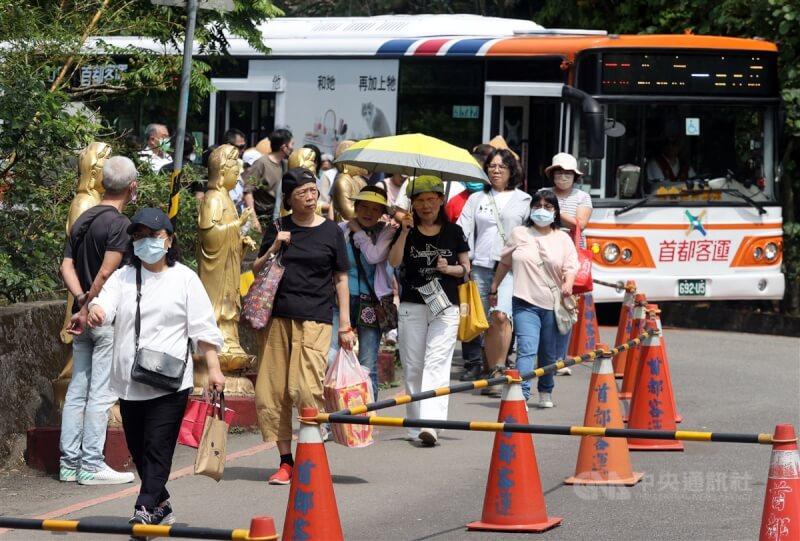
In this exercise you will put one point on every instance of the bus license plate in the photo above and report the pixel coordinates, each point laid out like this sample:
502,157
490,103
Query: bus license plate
691,288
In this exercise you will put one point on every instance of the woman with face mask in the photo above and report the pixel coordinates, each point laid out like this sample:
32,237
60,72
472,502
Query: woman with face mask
576,209
487,219
539,241
174,309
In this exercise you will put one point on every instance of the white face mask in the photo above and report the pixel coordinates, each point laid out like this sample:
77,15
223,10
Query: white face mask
542,217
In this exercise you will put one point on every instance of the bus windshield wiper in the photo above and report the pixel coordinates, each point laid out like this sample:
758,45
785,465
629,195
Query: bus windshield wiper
740,195
729,191
640,202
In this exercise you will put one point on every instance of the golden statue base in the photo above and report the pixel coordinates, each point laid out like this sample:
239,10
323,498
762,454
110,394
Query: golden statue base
240,394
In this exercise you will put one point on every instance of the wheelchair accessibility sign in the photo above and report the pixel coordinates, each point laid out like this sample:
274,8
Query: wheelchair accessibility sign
693,126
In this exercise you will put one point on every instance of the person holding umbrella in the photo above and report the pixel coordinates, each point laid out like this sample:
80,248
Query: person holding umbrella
433,257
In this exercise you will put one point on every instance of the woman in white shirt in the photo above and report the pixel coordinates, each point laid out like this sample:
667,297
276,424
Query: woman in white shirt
545,262
487,220
174,309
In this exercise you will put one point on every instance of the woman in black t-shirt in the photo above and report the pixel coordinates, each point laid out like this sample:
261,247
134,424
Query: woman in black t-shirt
294,345
433,256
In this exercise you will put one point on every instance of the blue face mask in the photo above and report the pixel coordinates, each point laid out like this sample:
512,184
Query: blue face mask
474,186
149,249
542,217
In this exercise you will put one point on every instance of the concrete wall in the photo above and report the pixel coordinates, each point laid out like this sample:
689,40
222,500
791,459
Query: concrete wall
31,356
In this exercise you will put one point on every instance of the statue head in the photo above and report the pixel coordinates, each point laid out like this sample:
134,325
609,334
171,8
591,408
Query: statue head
90,165
305,158
223,167
351,170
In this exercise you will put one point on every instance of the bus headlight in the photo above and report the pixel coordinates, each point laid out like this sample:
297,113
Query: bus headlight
611,252
771,251
758,251
627,255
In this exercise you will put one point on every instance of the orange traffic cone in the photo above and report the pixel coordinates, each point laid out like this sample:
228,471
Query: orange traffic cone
603,461
667,376
514,499
624,328
584,333
261,529
631,365
781,517
651,407
312,511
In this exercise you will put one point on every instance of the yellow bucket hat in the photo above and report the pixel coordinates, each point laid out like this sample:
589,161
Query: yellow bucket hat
372,194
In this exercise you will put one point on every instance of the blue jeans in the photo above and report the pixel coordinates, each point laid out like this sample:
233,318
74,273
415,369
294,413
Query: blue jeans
369,342
536,332
85,417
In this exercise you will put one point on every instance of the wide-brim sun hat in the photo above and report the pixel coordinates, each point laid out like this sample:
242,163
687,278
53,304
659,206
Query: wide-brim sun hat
564,161
369,195
250,156
424,183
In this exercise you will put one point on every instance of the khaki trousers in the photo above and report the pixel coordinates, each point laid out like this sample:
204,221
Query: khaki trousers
292,361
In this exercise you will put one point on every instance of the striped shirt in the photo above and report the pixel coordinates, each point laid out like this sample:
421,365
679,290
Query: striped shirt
570,204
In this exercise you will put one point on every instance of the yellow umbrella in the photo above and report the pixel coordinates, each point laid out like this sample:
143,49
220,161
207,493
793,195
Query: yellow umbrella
414,154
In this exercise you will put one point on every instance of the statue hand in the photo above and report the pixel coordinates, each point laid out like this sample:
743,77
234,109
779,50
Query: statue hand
244,217
249,243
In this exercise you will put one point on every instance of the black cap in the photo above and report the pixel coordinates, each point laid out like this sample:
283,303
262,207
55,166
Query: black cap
295,177
153,218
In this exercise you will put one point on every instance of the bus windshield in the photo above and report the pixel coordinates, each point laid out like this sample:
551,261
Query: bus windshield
686,147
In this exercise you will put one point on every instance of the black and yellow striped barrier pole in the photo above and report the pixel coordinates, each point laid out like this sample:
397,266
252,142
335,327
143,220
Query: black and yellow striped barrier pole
481,383
482,426
185,532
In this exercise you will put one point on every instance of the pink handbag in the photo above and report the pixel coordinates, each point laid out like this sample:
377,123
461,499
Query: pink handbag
257,305
194,419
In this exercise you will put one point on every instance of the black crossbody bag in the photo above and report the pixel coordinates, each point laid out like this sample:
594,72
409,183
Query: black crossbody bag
383,310
155,368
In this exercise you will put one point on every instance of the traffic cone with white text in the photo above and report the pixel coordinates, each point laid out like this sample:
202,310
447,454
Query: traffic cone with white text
651,408
584,333
624,328
312,512
514,500
631,365
781,517
603,461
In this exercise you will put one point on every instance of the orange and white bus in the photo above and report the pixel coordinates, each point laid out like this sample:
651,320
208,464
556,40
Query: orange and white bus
711,230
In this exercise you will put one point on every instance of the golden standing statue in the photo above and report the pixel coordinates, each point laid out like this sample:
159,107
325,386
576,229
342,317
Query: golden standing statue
222,247
89,193
346,185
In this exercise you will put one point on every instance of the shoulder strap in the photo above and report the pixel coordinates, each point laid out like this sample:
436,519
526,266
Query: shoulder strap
496,214
81,233
539,261
360,269
138,321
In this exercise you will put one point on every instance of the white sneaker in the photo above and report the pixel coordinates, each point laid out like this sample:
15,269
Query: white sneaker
545,400
566,371
104,476
67,475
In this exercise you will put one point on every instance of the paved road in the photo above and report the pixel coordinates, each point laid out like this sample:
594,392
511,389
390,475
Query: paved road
395,490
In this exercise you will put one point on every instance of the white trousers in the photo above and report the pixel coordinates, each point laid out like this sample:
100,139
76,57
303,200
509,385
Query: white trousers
426,345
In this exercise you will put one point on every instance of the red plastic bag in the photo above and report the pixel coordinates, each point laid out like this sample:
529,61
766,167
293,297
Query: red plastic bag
347,385
194,419
583,280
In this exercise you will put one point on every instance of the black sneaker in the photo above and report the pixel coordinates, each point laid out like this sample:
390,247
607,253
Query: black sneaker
471,373
141,515
163,515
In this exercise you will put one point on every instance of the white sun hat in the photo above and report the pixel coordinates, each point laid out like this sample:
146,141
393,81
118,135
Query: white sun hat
564,161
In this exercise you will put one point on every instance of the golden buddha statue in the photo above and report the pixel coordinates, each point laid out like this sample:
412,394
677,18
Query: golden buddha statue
222,247
88,194
346,185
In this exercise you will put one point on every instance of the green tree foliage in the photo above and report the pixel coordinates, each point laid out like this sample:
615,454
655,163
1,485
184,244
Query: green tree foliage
43,46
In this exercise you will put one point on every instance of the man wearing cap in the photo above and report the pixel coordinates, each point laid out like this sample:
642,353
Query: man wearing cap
95,248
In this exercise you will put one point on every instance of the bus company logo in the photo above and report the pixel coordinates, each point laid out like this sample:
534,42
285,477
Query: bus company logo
695,223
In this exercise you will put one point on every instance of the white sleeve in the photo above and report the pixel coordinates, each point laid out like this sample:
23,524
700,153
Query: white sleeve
584,199
402,202
109,296
200,318
467,220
